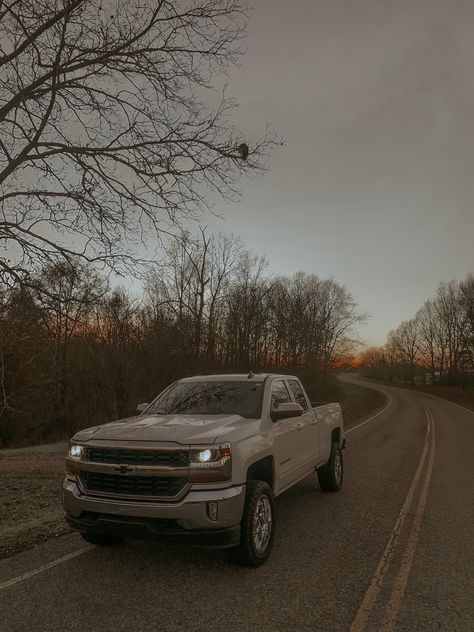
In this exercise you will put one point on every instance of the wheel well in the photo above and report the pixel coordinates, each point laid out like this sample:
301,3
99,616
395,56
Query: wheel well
262,471
336,436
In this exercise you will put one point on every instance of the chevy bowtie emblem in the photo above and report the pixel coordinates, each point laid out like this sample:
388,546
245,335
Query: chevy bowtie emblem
124,469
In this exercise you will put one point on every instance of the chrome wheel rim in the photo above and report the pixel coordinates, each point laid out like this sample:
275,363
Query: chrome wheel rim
338,467
262,524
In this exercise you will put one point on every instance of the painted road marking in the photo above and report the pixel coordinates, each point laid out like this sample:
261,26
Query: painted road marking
370,597
45,567
346,432
393,608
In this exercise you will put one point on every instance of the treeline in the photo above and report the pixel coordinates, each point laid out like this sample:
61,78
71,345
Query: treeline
75,351
436,346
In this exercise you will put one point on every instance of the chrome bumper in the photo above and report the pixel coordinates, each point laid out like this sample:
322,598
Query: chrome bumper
191,512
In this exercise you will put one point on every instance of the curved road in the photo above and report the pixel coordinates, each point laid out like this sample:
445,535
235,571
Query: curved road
394,550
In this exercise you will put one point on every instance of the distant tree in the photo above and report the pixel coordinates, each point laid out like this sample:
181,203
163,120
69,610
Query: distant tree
432,348
66,296
452,326
190,281
403,345
74,353
375,363
115,350
22,369
339,318
104,134
246,316
466,300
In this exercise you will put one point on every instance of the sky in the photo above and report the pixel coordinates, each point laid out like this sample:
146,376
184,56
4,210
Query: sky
375,184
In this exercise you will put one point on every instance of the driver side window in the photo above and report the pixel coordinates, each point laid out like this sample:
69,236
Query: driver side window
298,394
279,394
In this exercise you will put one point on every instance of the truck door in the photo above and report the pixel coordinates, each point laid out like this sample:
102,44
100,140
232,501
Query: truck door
310,429
288,438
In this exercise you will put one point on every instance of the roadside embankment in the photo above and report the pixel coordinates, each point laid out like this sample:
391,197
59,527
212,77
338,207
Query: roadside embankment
456,394
30,497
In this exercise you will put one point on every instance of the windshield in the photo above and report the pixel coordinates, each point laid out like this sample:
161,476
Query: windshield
210,398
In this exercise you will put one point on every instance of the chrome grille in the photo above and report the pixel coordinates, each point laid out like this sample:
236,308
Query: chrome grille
125,485
123,456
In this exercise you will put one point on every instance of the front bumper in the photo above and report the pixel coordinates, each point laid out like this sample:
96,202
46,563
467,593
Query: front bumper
187,518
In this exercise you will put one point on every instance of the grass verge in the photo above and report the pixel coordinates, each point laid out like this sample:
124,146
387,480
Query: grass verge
359,402
462,396
30,508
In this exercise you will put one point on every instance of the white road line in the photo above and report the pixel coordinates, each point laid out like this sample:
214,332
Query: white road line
346,432
368,603
45,567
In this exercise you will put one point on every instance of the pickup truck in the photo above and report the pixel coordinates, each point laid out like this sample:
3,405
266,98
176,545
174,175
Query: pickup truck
203,461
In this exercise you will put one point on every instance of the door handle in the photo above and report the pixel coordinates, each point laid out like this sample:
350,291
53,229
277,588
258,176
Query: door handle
299,426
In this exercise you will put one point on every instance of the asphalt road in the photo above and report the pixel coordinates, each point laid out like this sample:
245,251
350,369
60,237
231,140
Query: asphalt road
394,550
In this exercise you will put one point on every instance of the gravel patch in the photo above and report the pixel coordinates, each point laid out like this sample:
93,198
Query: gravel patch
30,500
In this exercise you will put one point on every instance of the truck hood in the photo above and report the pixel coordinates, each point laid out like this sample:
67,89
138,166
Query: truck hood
185,429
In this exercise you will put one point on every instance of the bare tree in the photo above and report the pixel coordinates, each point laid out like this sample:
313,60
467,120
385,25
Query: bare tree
83,353
467,304
66,305
404,345
22,350
244,336
376,363
104,131
452,323
114,350
339,318
190,281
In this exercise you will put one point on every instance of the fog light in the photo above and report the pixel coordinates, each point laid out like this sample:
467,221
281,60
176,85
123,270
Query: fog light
212,511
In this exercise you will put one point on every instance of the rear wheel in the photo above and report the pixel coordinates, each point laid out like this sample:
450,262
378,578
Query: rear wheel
257,526
100,539
330,475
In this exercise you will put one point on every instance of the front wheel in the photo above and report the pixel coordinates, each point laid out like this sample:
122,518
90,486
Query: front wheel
331,474
257,526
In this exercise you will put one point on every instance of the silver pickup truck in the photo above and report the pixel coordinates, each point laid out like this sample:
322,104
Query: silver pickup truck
204,461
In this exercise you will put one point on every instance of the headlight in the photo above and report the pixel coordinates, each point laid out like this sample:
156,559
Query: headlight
210,464
76,451
212,456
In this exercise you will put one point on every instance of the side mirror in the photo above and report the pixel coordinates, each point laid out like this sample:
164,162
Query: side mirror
284,411
141,407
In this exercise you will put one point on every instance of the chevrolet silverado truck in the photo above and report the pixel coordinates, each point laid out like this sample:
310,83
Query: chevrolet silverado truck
204,461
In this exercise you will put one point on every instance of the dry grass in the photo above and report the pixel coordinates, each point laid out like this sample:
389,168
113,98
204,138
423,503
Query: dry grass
456,394
30,508
359,402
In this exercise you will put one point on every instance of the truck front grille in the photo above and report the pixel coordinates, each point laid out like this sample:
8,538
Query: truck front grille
120,456
126,485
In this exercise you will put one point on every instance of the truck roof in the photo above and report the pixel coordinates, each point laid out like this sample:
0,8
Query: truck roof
234,377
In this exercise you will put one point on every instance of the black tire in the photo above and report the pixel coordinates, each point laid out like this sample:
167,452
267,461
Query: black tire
331,475
248,552
100,539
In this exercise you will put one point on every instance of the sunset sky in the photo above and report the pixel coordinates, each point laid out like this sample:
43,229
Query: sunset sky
375,184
